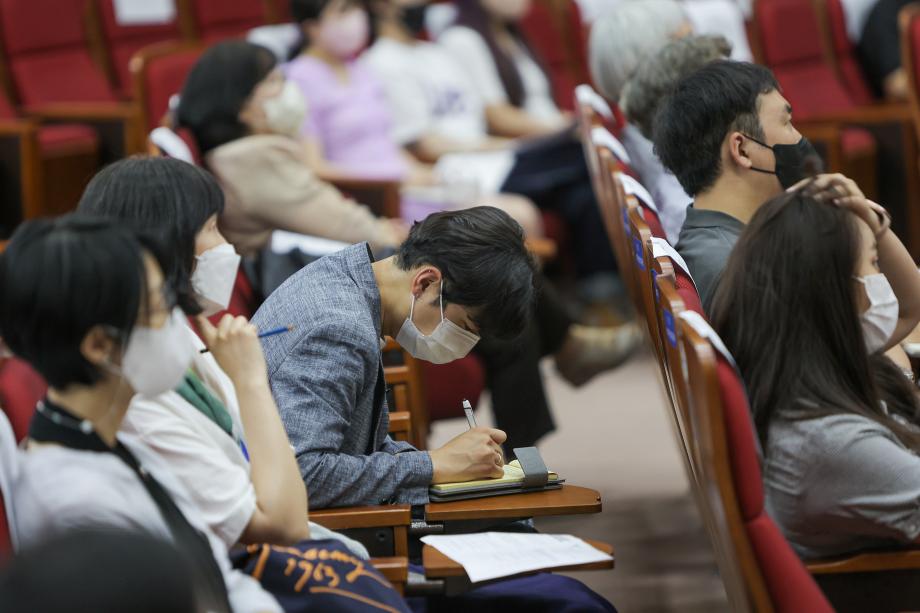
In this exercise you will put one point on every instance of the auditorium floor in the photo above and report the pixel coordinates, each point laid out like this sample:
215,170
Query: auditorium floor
613,435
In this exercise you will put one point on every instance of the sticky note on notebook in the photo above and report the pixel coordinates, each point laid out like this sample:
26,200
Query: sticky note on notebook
514,475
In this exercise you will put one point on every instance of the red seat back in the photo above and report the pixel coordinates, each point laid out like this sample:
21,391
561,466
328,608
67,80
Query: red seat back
123,41
6,109
20,390
759,567
47,55
845,53
159,73
557,34
219,19
790,37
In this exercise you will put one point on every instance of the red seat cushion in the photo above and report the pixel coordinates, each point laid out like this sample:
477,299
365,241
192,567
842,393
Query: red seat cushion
67,138
445,384
48,58
164,77
6,109
857,141
6,546
123,41
20,390
742,444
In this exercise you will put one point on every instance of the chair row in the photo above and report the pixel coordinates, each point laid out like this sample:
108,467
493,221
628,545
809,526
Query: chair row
708,407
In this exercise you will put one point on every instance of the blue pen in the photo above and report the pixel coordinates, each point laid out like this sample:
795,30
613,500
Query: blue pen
272,332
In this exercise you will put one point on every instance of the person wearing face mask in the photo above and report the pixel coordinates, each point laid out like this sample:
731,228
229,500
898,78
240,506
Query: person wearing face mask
817,288
726,133
459,276
218,429
97,349
348,132
246,119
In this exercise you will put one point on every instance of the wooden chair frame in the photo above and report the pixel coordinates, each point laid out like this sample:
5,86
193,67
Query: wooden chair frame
20,151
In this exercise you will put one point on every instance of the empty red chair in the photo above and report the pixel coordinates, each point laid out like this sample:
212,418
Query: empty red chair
46,51
122,41
214,20
8,461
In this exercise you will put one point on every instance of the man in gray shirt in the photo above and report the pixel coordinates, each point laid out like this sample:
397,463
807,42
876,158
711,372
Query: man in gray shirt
726,133
460,275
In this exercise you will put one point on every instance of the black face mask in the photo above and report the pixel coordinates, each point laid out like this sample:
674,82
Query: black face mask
413,17
789,161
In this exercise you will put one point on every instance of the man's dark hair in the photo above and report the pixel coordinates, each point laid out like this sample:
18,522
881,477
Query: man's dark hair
164,197
706,105
218,87
60,278
481,255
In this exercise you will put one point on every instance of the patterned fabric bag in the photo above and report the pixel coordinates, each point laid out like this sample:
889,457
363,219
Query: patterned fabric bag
319,576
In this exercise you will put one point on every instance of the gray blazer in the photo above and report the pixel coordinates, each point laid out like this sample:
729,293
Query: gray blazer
327,379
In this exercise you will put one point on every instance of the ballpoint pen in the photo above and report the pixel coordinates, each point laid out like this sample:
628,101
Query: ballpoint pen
273,332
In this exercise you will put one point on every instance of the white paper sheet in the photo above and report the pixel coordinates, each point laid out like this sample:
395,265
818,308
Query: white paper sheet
490,555
144,12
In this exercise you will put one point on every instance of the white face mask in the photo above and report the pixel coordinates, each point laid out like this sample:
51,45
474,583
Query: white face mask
156,359
881,318
448,341
285,112
214,277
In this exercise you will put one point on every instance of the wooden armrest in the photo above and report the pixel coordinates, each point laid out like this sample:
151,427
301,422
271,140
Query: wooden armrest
395,569
84,111
867,563
542,248
870,114
400,421
3,245
568,500
363,517
16,127
439,566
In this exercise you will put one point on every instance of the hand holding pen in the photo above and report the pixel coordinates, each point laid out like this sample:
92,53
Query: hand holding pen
234,343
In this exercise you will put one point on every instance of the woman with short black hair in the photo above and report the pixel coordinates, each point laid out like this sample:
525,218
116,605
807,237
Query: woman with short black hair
245,119
87,305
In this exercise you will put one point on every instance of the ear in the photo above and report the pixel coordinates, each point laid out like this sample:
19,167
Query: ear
737,149
98,346
426,276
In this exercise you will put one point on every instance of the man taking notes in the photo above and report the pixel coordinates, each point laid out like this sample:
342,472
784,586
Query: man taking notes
460,275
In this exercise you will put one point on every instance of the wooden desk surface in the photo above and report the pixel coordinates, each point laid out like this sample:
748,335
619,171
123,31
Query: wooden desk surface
569,500
439,566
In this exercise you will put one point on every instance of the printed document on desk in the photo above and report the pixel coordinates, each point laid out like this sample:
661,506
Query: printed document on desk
491,555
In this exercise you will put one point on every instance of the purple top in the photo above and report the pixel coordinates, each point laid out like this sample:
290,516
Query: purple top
350,119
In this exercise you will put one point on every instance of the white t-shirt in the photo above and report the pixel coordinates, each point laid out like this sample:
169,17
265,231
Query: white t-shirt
427,91
60,489
208,461
470,51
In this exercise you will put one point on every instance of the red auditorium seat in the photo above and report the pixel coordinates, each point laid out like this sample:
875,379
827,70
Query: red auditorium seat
158,73
121,41
213,20
791,43
55,79
760,570
556,32
20,390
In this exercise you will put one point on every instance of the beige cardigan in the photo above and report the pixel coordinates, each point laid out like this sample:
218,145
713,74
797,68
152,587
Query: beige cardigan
268,186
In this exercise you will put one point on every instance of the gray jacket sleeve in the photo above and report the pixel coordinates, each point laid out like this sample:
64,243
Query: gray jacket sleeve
319,396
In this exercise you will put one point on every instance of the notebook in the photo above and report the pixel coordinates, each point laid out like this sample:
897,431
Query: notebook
510,483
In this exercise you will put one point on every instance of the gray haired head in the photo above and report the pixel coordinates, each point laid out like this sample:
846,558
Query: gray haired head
657,75
623,37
